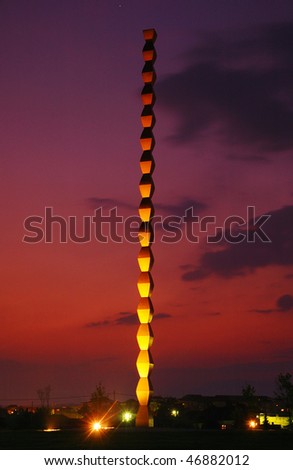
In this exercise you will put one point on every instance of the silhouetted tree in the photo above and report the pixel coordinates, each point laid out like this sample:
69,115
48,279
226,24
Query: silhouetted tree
41,395
47,395
44,396
98,404
284,392
248,391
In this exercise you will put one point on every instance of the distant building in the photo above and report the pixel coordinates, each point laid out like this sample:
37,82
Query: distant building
275,420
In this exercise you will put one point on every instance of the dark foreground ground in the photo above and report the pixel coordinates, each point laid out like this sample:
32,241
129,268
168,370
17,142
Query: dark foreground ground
147,439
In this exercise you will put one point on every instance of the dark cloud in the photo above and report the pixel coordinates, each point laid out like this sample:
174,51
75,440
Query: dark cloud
161,316
124,318
239,85
177,209
285,303
97,324
242,258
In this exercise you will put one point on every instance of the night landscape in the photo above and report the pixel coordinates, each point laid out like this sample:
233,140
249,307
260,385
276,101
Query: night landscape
244,421
147,224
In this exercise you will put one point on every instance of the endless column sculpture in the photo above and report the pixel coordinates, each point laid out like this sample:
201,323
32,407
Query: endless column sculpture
145,283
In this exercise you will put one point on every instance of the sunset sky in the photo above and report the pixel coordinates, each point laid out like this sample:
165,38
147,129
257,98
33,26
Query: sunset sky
70,105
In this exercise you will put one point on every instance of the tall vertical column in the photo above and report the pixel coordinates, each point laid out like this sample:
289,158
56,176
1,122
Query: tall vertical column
145,283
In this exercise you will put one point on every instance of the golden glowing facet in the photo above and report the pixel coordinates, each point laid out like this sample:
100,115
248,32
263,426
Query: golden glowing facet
144,363
145,284
147,164
145,259
147,120
147,95
145,234
147,140
147,117
150,34
144,391
148,73
146,209
145,310
149,52
144,337
146,186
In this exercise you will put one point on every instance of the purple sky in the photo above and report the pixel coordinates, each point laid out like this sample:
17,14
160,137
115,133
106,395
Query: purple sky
70,86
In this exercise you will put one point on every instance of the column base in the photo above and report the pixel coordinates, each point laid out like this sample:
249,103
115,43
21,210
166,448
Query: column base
144,419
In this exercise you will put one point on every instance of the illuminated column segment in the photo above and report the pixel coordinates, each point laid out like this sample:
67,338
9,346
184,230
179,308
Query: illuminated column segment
145,258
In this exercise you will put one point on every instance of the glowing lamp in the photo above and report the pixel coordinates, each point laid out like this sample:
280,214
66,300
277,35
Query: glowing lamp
96,426
127,416
51,429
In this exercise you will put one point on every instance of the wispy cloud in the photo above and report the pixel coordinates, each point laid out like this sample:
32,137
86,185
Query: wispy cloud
126,318
161,316
213,314
123,318
177,208
97,324
264,311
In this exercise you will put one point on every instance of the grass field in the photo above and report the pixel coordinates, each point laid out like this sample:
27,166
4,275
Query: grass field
147,439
